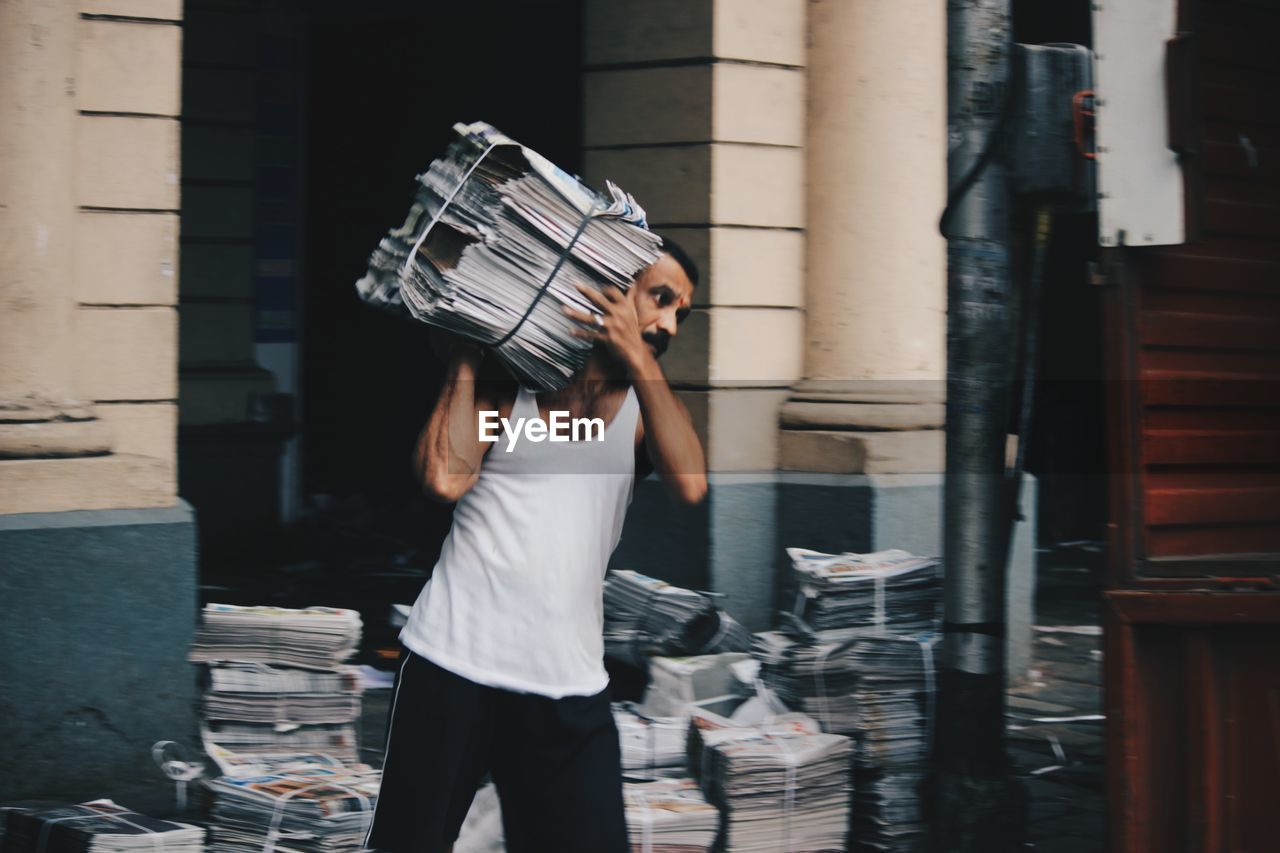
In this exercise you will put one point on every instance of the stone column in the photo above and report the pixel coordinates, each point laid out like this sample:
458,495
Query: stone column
90,523
861,444
41,412
875,293
697,107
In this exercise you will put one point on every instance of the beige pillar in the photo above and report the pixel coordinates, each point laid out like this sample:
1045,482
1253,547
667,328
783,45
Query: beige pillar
41,413
875,297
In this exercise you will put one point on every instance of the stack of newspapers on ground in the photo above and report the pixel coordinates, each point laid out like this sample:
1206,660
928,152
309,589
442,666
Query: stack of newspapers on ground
778,791
290,802
277,679
669,816
650,745
866,670
99,826
645,617
779,782
893,591
495,243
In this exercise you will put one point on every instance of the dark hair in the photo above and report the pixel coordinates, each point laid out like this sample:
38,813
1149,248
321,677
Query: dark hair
675,250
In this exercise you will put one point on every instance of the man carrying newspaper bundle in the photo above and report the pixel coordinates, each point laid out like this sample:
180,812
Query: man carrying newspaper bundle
503,670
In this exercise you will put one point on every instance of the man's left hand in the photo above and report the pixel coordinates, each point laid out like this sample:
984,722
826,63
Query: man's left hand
617,326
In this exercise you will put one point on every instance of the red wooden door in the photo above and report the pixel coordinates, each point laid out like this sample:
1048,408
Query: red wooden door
1193,353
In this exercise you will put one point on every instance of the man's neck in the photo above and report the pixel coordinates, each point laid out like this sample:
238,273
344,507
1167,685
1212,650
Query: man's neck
600,375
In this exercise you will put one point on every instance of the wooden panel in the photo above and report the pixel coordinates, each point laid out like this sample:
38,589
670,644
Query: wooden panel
1174,390
1189,329
1221,266
1232,149
1209,498
1210,447
1193,713
1219,539
1239,94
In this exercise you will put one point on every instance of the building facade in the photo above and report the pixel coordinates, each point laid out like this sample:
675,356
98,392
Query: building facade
165,216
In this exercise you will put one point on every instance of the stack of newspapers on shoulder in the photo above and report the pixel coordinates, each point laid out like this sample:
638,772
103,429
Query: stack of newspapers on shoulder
99,826
645,617
285,802
277,681
495,243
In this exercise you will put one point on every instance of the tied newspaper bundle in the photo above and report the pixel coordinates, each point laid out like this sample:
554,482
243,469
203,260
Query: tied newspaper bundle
892,591
778,792
669,816
291,803
258,693
99,826
495,243
880,690
276,679
645,617
649,743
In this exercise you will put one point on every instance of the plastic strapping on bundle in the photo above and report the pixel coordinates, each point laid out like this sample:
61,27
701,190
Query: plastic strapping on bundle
546,285
181,772
277,812
46,825
722,630
640,627
417,244
820,670
926,652
879,599
646,839
789,796
651,759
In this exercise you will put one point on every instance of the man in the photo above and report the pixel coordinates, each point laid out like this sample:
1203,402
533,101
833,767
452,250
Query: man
503,669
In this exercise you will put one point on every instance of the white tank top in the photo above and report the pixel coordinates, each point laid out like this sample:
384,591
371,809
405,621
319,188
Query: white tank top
516,598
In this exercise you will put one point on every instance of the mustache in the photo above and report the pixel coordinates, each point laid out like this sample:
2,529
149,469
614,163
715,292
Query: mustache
660,340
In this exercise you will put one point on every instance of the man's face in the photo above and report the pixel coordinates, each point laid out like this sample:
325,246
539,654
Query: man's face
662,296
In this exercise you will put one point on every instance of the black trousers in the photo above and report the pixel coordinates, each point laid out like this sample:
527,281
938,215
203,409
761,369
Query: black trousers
555,762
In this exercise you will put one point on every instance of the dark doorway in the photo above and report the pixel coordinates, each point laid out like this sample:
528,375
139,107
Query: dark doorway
385,83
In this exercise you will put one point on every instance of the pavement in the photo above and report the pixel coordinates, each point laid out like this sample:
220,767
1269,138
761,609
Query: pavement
1060,759
1061,762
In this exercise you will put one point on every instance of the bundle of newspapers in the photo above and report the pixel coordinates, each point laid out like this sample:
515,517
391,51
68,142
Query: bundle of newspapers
878,689
99,826
669,816
645,616
893,591
494,246
276,680
289,802
778,792
649,743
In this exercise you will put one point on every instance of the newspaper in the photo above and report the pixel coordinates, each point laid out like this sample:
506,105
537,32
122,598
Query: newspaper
314,638
649,742
338,740
645,616
495,243
98,826
669,816
296,802
878,689
892,591
778,791
677,682
257,693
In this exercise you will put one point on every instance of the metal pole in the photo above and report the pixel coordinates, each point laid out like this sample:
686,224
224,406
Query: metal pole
976,807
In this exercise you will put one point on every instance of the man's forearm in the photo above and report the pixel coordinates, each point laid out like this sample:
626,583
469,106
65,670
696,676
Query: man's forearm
672,442
447,444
